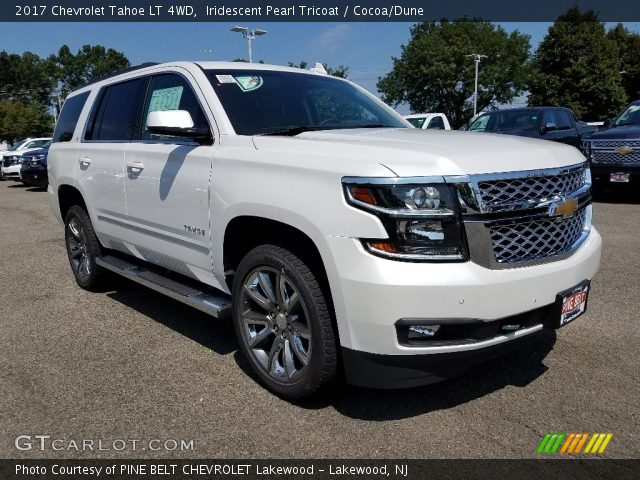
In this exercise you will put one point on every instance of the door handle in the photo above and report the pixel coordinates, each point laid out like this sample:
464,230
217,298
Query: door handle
84,161
135,167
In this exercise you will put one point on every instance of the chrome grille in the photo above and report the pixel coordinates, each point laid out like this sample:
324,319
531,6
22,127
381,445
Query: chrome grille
516,191
615,143
527,241
615,158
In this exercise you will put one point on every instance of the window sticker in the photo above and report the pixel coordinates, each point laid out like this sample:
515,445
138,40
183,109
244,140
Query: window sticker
225,78
247,84
166,99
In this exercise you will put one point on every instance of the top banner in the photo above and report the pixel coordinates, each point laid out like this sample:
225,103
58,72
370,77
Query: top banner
313,11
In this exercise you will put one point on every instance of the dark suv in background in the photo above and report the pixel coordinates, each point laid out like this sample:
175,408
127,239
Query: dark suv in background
547,123
33,171
614,152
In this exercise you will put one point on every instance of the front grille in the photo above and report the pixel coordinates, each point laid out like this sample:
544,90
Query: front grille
615,158
615,143
527,241
516,191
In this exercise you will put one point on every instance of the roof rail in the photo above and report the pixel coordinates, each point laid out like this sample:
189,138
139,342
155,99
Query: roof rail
119,72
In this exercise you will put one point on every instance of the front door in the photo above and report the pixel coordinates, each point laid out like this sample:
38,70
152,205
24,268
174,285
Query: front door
167,184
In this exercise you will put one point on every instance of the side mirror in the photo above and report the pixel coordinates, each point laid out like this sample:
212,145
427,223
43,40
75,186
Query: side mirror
547,127
465,127
607,122
175,123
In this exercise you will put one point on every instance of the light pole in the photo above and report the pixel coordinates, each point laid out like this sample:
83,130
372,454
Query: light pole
250,34
476,58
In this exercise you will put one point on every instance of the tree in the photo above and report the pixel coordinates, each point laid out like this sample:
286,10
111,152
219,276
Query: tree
578,66
89,63
434,74
20,119
629,47
340,71
26,78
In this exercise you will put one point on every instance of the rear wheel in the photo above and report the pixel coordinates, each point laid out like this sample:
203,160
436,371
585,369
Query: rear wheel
82,248
283,324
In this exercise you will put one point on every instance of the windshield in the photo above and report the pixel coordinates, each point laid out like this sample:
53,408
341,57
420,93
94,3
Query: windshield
506,120
631,116
260,102
416,122
16,145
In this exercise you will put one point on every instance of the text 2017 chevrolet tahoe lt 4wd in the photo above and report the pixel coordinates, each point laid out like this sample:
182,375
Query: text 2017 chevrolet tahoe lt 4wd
339,239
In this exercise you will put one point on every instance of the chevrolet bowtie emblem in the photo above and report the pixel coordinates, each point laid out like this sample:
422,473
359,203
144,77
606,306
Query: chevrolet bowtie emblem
565,209
624,150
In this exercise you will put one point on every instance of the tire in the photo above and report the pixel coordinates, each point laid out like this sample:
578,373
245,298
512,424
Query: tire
283,324
82,248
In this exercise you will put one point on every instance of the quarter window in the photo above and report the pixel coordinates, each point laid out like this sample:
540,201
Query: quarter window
69,117
436,123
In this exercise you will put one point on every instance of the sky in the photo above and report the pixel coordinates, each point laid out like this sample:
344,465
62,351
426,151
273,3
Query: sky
366,48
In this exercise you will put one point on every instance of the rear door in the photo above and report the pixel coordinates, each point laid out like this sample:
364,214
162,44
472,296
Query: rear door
112,124
167,183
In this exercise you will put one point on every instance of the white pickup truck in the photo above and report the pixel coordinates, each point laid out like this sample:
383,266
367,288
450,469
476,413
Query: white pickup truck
337,238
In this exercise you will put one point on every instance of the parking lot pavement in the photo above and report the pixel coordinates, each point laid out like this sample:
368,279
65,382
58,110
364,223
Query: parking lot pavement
129,364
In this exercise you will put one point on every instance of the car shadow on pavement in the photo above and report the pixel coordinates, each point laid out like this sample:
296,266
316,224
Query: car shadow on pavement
518,368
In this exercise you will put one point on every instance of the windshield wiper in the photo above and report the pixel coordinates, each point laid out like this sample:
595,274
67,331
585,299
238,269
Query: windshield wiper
291,131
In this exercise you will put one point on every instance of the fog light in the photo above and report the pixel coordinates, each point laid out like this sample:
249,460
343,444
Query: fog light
418,332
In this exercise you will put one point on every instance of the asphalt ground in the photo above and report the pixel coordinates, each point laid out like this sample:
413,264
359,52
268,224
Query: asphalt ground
129,364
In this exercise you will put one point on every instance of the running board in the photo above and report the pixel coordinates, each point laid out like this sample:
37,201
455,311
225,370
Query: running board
216,306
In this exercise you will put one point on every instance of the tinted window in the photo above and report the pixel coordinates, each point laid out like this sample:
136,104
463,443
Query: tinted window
416,122
436,123
262,101
171,92
631,116
557,120
117,117
480,124
508,120
69,117
37,144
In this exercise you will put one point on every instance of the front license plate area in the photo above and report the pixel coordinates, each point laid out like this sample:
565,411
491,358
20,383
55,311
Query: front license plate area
620,177
572,303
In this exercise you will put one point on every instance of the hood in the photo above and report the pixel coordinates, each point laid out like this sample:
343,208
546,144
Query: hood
613,133
36,152
413,152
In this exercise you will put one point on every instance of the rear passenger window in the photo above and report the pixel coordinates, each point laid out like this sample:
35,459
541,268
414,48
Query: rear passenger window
171,92
69,117
436,123
117,117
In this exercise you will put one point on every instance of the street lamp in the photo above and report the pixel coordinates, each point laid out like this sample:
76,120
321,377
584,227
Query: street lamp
250,34
476,58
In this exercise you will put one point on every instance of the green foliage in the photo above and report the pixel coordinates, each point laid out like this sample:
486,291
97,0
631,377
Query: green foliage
26,77
629,47
340,71
434,74
90,62
578,66
19,119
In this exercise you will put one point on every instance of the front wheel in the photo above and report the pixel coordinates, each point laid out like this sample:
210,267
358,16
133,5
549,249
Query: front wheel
283,324
82,248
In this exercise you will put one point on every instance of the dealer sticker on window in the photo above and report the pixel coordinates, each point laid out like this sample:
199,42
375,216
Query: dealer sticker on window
573,303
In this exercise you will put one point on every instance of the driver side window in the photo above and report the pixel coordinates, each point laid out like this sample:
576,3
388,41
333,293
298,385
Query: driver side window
171,92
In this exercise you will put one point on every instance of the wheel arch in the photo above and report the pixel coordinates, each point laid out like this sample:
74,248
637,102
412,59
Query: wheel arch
68,195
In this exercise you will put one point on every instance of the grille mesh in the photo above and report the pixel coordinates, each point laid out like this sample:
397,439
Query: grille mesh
615,143
616,158
497,193
527,241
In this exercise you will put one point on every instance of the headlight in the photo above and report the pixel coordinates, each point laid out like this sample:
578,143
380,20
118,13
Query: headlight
422,220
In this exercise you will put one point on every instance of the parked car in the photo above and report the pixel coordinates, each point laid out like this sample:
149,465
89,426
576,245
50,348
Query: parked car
548,123
336,237
12,158
33,171
614,152
429,121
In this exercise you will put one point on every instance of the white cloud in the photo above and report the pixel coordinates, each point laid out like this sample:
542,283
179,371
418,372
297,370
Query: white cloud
333,37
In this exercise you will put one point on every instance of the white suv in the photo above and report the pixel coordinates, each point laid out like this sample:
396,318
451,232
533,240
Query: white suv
337,238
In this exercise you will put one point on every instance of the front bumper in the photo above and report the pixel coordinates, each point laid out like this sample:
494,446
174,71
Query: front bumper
34,176
11,172
372,294
601,174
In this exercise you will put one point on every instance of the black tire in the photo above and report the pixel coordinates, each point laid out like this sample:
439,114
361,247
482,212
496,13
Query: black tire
304,321
83,246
